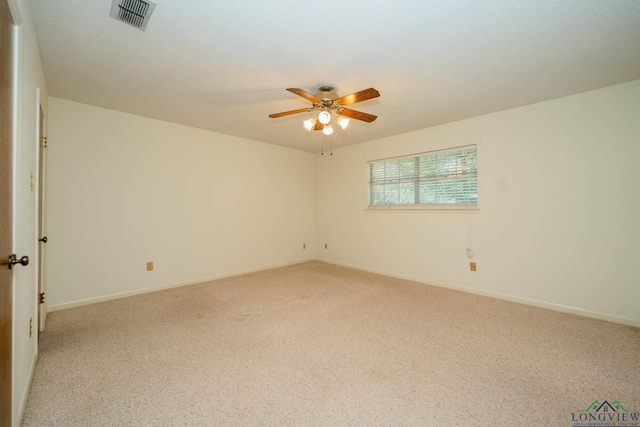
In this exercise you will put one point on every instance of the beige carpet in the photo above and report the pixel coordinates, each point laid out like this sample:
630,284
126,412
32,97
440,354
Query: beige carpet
320,345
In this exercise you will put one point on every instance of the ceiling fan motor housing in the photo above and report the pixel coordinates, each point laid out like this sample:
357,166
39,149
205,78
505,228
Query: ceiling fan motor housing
327,94
328,97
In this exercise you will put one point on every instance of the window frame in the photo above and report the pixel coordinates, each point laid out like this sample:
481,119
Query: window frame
462,207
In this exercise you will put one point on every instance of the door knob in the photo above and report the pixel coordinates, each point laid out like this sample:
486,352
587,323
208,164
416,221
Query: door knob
13,260
43,240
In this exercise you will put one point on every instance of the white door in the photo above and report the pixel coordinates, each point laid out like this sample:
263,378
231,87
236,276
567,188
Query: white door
6,208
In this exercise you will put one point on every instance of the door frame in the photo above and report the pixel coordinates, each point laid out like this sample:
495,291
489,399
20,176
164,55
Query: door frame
41,216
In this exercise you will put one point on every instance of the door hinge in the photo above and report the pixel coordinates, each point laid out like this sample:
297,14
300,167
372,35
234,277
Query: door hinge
41,301
44,142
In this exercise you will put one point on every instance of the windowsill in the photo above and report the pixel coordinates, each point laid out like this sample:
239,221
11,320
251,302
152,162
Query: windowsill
434,209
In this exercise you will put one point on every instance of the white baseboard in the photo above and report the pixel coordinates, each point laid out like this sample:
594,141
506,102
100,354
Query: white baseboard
506,297
126,294
18,418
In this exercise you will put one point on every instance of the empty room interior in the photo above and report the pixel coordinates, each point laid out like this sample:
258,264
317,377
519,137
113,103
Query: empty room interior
320,213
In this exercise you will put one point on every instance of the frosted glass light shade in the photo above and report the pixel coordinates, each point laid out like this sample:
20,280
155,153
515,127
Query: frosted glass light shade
309,124
324,117
328,130
342,121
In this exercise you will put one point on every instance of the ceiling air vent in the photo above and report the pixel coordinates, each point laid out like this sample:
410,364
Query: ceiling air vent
133,12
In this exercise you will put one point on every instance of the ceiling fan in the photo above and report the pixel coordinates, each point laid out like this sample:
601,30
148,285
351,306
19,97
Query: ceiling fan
327,102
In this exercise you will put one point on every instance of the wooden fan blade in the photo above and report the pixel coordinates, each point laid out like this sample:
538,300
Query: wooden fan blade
358,115
318,126
363,95
304,94
288,113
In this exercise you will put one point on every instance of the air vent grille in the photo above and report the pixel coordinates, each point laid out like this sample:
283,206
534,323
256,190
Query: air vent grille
133,12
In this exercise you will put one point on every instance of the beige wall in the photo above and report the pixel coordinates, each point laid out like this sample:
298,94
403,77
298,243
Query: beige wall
556,224
558,198
125,189
32,92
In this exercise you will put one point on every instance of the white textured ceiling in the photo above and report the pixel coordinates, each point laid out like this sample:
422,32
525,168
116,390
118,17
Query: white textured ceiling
224,65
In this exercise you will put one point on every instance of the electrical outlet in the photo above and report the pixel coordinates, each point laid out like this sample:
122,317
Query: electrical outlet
304,246
150,266
326,246
472,266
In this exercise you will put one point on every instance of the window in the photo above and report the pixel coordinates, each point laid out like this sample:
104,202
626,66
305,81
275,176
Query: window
446,179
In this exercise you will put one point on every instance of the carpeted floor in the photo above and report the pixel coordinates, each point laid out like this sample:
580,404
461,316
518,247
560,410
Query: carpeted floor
320,345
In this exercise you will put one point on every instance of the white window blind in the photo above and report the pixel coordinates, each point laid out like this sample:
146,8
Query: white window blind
438,179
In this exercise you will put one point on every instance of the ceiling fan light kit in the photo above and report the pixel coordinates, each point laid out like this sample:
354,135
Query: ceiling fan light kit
329,103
